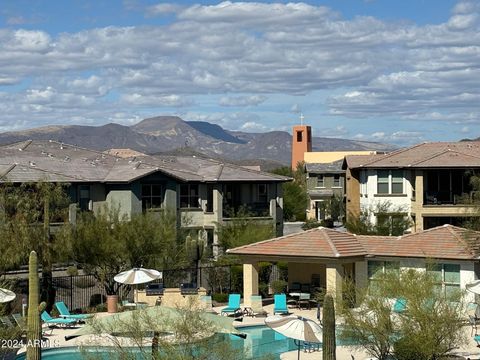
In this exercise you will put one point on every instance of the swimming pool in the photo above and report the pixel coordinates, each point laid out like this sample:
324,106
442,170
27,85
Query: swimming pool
260,341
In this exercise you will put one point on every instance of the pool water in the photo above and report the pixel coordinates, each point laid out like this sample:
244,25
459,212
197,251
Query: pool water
260,341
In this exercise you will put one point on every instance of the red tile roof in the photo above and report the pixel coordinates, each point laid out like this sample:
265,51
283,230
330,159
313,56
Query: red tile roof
318,243
443,242
435,154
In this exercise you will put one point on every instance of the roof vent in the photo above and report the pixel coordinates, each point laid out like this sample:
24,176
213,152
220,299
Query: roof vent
61,145
67,158
32,163
50,155
132,159
137,165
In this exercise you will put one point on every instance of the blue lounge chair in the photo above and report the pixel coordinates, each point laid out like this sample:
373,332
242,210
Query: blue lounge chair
65,313
400,305
280,304
233,306
47,319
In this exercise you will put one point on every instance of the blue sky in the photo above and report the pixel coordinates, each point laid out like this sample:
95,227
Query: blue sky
400,72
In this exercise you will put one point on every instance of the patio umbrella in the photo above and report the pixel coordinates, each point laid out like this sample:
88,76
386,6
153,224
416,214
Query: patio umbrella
160,319
473,287
297,328
6,295
137,276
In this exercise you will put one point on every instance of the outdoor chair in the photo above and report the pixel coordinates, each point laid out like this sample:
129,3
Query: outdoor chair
256,307
296,286
6,322
305,288
207,305
154,289
233,306
400,305
65,313
47,319
473,313
280,304
303,300
188,289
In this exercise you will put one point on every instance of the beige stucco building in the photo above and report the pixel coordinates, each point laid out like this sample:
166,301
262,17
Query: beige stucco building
429,182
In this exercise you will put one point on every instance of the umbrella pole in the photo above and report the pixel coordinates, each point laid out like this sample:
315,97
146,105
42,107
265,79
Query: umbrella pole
297,342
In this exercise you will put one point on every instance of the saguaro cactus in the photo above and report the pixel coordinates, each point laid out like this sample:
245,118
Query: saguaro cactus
329,346
34,330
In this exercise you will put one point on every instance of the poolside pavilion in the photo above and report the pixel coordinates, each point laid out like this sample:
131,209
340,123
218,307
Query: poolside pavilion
323,258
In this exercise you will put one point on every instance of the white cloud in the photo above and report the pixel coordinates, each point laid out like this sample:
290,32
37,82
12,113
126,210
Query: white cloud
162,9
152,100
253,100
251,126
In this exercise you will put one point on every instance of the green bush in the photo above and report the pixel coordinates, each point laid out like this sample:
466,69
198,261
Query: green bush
279,286
72,271
311,224
84,282
263,289
220,298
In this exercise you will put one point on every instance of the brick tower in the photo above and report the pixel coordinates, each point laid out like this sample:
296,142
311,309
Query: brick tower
301,142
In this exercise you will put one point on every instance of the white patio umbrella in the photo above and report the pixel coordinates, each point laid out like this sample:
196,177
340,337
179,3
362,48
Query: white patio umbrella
473,287
6,295
137,276
297,328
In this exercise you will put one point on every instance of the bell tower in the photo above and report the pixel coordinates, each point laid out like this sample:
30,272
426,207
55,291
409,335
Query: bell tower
301,142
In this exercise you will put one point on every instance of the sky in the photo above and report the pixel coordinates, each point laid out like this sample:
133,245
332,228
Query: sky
398,72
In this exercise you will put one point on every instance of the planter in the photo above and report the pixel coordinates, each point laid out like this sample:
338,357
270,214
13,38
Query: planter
112,303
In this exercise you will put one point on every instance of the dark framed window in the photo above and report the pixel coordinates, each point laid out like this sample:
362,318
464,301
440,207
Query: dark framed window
84,197
336,180
209,206
390,182
320,180
383,181
152,196
447,277
262,193
397,181
189,196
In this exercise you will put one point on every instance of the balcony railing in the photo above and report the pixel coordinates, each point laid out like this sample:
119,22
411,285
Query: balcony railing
447,197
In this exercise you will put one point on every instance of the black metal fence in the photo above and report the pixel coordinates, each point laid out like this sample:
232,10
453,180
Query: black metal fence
83,291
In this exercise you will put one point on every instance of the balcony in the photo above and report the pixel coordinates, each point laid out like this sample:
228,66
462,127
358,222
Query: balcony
449,197
255,209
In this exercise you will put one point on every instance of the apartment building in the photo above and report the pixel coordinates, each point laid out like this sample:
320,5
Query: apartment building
429,182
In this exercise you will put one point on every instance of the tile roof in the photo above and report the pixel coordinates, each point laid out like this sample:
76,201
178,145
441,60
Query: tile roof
42,160
443,242
315,243
426,155
333,167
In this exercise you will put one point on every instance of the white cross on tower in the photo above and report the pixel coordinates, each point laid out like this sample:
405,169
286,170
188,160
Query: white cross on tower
301,118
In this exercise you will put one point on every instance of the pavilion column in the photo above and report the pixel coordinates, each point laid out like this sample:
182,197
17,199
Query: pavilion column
334,279
250,282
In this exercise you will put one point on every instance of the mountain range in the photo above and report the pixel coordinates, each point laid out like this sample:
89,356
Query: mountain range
171,134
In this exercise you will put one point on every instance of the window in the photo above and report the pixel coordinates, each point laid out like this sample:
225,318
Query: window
447,276
84,197
377,268
189,196
382,181
397,182
299,136
152,196
390,182
262,193
336,180
391,224
209,206
320,180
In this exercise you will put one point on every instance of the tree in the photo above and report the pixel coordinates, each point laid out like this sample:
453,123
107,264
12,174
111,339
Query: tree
430,327
29,209
295,197
106,244
383,219
241,229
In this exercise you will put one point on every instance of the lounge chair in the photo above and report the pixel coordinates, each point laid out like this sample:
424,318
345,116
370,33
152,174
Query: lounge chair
206,304
65,313
47,319
295,287
20,320
304,300
400,305
6,322
280,304
256,307
233,306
